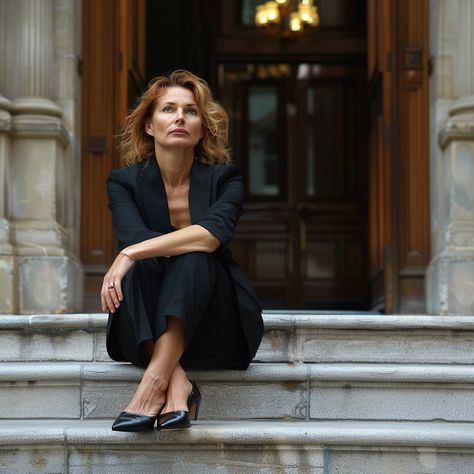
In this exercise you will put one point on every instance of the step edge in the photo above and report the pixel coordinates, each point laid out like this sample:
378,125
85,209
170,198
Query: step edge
98,321
414,434
260,373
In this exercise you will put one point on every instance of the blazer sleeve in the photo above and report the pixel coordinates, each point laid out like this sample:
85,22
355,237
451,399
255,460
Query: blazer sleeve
127,220
221,217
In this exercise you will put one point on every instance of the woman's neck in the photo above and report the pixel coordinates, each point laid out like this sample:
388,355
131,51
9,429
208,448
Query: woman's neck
175,165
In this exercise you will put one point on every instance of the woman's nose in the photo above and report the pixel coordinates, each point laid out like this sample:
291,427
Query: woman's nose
179,114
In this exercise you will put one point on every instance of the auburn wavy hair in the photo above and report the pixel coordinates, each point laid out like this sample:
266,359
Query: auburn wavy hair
136,144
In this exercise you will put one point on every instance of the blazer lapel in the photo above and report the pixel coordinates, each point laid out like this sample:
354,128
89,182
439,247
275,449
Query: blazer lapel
200,184
153,195
154,198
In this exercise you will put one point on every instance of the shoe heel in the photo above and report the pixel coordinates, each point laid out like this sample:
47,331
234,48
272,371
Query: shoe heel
194,410
194,402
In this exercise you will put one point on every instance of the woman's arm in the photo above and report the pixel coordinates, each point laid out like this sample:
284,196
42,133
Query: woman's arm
193,238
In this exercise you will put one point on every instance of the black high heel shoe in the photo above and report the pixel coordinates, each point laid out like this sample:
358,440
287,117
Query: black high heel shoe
181,419
128,421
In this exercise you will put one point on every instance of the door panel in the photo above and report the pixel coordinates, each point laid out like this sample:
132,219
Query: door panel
113,71
303,238
413,151
332,192
381,158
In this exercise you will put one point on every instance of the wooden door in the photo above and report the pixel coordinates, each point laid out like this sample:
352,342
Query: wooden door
331,189
298,134
113,76
397,74
381,167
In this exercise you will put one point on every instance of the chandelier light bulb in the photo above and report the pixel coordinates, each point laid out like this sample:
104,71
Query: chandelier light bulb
261,17
273,13
295,21
276,12
305,13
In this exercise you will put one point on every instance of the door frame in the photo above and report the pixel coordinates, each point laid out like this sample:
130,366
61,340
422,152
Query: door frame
401,58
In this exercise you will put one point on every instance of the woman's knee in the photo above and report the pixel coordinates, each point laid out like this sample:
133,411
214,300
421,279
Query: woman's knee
200,266
195,258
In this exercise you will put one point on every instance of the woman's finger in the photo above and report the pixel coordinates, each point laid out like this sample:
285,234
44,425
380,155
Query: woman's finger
102,296
113,295
109,302
118,289
106,297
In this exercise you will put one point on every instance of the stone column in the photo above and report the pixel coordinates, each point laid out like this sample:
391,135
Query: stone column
49,273
8,273
450,275
8,267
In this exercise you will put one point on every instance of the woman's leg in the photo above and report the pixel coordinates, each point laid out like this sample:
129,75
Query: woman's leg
165,353
189,288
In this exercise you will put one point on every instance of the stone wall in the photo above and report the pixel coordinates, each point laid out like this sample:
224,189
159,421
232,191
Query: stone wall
40,112
450,274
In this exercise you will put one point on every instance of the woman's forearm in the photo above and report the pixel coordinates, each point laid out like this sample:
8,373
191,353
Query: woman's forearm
189,239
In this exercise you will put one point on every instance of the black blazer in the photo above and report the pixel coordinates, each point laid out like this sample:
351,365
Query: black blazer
137,200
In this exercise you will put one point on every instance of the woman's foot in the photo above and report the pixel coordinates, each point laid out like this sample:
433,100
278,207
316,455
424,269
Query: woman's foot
142,411
150,396
179,390
181,398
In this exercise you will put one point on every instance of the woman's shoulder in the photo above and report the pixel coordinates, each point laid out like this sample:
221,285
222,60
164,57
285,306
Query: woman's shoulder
126,172
222,169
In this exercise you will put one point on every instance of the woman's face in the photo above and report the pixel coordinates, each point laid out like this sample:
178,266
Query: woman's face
176,121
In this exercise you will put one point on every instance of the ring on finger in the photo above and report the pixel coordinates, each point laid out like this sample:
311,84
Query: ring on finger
112,285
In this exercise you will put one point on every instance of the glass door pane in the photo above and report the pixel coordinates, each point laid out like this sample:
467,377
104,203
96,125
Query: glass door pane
262,151
325,142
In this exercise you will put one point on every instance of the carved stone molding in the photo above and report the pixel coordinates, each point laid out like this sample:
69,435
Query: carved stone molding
460,123
5,115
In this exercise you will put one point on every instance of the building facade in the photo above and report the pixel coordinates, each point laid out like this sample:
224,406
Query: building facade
412,249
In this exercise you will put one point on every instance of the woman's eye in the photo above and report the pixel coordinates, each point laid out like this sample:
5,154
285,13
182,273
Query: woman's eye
192,111
167,108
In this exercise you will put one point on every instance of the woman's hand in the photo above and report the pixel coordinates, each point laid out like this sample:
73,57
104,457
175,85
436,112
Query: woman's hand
111,293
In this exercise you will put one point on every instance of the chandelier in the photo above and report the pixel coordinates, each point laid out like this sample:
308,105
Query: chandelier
279,14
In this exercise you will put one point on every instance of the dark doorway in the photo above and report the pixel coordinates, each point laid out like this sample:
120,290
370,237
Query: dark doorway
298,133
297,129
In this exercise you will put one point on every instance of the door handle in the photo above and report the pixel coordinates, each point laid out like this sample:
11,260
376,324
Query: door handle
302,234
304,213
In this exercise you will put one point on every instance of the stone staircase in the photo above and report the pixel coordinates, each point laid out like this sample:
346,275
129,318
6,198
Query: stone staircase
326,394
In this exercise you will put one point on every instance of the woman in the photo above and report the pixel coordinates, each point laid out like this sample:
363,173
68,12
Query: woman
176,298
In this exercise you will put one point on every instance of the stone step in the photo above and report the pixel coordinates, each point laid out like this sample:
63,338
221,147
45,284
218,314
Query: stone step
265,391
289,337
239,447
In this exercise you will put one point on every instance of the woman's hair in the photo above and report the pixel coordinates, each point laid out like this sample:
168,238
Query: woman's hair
136,144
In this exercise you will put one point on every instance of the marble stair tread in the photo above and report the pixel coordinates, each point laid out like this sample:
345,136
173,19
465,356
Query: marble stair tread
238,447
272,319
277,391
359,433
289,337
268,372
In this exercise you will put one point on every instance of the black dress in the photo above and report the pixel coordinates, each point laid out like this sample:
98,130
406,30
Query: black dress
208,292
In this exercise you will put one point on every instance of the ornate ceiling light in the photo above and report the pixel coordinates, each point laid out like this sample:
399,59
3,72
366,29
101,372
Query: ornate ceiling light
279,15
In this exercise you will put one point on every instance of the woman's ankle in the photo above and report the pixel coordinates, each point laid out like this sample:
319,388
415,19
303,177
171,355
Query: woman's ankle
177,395
150,395
157,380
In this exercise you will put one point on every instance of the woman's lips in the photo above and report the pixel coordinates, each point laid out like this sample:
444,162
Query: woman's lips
179,131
